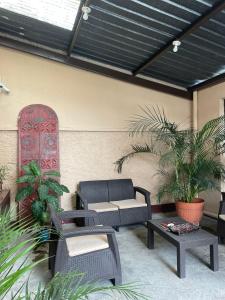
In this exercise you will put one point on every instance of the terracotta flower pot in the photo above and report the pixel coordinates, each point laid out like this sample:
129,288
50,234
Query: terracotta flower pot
190,212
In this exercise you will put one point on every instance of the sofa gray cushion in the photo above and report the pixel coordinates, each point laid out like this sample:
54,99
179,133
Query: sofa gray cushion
120,189
94,191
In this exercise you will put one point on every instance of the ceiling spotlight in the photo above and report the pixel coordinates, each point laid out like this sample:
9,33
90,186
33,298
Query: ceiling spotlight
176,44
86,11
5,17
3,88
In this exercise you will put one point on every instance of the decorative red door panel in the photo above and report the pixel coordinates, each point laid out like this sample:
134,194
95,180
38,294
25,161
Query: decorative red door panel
37,140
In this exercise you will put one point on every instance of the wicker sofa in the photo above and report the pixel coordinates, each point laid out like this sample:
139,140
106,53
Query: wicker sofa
91,250
114,201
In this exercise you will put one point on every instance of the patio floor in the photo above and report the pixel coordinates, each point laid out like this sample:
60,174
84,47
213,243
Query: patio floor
156,269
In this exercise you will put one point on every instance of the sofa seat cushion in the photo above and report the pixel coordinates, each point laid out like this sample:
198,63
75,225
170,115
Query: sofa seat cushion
102,206
129,203
222,217
87,243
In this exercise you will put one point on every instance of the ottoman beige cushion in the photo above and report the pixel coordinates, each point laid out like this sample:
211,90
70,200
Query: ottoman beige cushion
87,243
129,203
102,206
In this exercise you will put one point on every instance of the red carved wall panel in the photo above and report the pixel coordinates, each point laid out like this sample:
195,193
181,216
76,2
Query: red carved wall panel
37,140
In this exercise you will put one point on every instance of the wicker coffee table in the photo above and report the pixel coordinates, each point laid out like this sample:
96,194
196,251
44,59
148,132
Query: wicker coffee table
183,242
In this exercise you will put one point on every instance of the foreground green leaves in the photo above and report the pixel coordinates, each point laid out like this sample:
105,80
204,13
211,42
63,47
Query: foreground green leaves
69,287
24,192
16,243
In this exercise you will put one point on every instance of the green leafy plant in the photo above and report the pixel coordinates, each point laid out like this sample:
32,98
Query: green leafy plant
69,287
42,188
189,160
4,172
17,241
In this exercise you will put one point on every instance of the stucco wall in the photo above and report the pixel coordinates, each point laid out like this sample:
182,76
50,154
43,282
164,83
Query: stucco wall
93,111
210,104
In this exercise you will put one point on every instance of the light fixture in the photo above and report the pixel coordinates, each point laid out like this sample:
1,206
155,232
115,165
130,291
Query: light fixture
5,17
86,11
176,44
3,88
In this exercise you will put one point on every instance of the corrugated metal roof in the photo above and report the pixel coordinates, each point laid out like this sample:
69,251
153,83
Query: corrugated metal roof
57,12
126,34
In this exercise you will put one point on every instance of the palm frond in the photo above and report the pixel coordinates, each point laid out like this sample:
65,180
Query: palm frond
151,120
137,149
17,240
69,287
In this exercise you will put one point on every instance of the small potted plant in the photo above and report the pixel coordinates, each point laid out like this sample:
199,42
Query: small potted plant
43,188
188,159
4,172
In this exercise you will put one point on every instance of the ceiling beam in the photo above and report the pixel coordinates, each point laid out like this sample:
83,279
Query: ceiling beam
76,26
207,83
88,66
194,26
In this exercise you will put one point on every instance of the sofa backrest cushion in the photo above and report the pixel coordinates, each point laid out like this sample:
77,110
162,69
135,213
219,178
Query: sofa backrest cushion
94,191
120,189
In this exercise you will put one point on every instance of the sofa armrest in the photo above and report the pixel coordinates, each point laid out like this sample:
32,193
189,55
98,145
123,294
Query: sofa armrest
88,230
144,192
77,214
83,200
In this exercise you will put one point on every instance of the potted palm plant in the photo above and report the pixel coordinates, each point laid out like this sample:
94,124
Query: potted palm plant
43,189
188,159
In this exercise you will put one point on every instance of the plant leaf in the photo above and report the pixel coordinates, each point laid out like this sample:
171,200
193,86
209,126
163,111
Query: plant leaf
54,186
54,201
24,192
27,169
43,191
64,188
26,179
37,208
52,173
35,168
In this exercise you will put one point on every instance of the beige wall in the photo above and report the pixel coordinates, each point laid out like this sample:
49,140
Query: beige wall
211,105
92,112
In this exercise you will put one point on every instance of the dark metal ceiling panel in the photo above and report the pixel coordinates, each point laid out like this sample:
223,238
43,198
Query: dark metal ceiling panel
117,36
128,23
168,77
104,58
131,54
198,6
33,30
135,29
127,33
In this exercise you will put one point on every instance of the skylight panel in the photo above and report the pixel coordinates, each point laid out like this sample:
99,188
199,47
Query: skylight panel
61,13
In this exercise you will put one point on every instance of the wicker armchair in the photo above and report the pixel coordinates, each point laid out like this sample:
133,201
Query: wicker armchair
221,219
91,250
